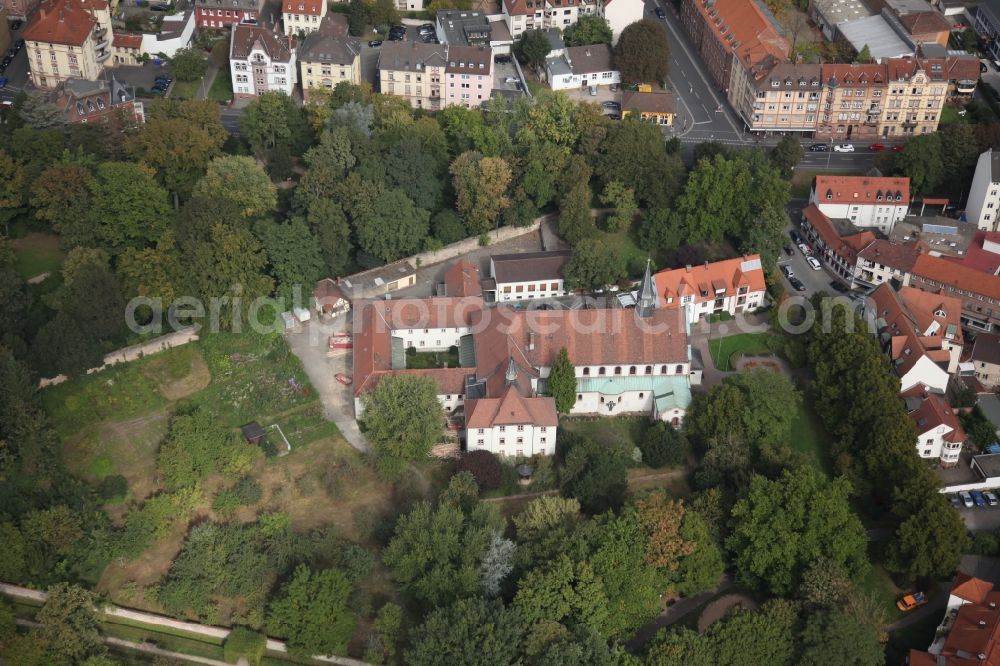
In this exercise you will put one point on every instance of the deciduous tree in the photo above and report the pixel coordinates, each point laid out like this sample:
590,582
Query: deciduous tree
273,121
642,54
532,49
239,179
589,29
787,154
480,189
128,208
473,632
311,612
69,624
402,418
188,64
60,196
294,256
930,542
595,264
622,199
392,227
596,476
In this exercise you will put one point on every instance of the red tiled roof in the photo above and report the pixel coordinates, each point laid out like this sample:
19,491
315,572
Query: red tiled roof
428,312
976,631
860,190
127,40
970,588
729,274
462,279
247,37
924,307
744,29
470,60
977,256
934,412
855,75
962,68
923,23
957,275
525,7
907,346
60,22
328,292
846,247
307,7
902,256
510,409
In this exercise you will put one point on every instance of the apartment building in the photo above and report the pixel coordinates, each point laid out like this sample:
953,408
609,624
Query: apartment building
852,102
18,9
222,14
777,97
723,30
838,252
881,261
916,94
415,71
983,206
729,287
979,292
68,39
101,101
582,67
301,17
468,76
867,201
985,358
523,15
326,60
940,436
528,275
261,60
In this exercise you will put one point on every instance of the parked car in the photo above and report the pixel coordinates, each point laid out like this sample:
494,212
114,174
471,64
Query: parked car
794,235
966,499
162,85
375,43
611,105
993,448
11,52
977,498
18,45
991,498
838,286
340,341
346,380
157,92
165,80
789,251
911,601
503,58
660,14
844,148
796,283
4,81
593,91
614,116
898,148
426,29
805,249
814,263
876,147
396,36
955,500
16,25
787,270
819,148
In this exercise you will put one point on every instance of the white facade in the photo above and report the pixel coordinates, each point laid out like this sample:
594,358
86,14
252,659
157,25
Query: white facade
931,444
881,215
517,291
874,273
303,16
257,74
431,339
745,302
513,440
983,207
176,33
561,80
620,14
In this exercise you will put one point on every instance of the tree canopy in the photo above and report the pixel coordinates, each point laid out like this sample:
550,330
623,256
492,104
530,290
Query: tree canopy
402,419
642,54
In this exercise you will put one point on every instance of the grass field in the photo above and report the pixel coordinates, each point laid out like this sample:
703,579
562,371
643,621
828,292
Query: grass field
185,89
809,438
624,246
422,360
36,254
222,87
609,431
802,183
723,349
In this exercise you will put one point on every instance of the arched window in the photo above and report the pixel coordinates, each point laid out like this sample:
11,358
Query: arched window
680,369
649,369
586,372
675,422
618,369
631,370
600,371
663,369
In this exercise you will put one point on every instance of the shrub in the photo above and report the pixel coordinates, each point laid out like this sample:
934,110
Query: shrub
484,466
113,488
243,642
662,445
225,502
248,491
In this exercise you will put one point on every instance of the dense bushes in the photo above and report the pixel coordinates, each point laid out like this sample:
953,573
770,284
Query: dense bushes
484,466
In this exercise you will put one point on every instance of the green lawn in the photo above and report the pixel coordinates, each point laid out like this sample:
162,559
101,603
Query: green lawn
36,253
185,89
802,183
609,430
878,583
809,438
723,349
949,115
222,87
625,247
422,360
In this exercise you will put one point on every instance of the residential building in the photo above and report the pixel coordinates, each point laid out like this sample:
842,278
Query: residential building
867,201
326,60
939,434
653,107
468,75
927,26
126,48
979,292
463,28
619,14
722,30
839,252
985,357
969,632
828,14
526,276
523,15
983,253
18,9
582,67
916,360
983,206
67,39
460,280
330,299
102,101
938,322
777,97
176,32
261,60
853,101
301,17
222,14
962,73
730,286
916,95
987,24
880,262
414,71
625,360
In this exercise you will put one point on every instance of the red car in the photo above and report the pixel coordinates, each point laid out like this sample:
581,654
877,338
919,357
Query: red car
876,147
346,380
340,341
898,148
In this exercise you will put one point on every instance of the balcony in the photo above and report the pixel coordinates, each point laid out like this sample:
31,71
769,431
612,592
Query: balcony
102,55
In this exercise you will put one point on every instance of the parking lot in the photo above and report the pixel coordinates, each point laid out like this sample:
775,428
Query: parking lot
16,72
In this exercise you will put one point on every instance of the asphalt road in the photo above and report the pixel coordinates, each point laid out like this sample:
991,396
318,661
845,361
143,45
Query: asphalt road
17,70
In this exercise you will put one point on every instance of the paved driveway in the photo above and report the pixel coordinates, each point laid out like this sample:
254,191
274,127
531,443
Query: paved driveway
322,364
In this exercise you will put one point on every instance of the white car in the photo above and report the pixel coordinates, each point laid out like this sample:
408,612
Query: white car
805,249
844,148
966,499
813,263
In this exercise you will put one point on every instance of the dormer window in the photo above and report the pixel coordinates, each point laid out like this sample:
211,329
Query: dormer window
829,195
100,103
775,84
878,195
940,313
79,108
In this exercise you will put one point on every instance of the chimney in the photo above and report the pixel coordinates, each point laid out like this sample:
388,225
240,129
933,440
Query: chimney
687,268
531,342
587,53
982,623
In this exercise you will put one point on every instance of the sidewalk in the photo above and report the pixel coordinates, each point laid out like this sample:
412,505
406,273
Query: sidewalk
206,82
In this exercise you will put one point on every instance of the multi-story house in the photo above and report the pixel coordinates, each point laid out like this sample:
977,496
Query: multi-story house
463,28
867,201
939,434
988,25
526,276
838,252
101,101
468,76
979,291
582,67
722,30
625,361
653,107
326,60
983,206
68,39
853,101
222,14
523,15
618,13
301,17
261,60
985,358
18,9
880,262
777,97
969,632
916,94
415,71
730,286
